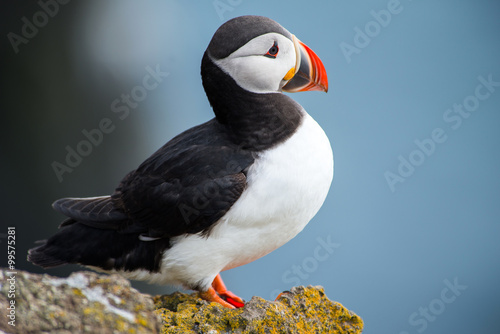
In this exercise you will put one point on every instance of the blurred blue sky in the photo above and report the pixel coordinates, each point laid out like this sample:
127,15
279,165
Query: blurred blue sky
393,249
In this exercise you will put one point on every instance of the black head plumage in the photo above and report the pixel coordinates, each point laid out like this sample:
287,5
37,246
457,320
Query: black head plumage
238,31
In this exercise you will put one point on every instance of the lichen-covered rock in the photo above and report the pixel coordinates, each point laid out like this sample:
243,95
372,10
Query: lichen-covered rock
85,302
301,310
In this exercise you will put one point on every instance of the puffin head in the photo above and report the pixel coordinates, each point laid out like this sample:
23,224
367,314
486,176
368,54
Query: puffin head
263,57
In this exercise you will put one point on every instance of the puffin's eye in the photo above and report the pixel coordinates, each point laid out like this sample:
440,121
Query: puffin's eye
273,51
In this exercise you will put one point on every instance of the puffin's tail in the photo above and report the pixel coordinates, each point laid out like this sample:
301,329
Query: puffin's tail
100,235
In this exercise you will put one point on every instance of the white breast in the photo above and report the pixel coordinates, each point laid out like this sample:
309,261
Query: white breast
286,187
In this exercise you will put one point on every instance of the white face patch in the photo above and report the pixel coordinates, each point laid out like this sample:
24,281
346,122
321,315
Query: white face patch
255,72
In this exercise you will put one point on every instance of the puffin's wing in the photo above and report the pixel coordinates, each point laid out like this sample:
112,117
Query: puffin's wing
186,186
98,211
167,208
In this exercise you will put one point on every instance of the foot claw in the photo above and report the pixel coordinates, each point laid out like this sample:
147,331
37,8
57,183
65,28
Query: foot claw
235,302
211,296
230,298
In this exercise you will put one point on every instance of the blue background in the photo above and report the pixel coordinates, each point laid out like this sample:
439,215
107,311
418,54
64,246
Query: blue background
395,251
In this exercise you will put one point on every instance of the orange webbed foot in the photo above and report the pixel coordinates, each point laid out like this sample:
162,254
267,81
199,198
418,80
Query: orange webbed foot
211,296
230,297
219,290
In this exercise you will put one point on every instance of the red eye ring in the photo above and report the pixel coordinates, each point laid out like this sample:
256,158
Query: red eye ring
273,51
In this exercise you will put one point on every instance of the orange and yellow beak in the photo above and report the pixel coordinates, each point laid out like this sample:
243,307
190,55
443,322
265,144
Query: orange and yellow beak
309,72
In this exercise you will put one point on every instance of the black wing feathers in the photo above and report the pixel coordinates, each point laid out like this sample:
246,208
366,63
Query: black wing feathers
99,212
188,184
106,249
183,188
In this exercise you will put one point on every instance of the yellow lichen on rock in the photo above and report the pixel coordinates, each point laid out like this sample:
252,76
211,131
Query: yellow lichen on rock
301,310
87,302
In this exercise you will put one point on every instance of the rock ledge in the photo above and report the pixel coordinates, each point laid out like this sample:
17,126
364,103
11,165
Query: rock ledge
87,302
301,310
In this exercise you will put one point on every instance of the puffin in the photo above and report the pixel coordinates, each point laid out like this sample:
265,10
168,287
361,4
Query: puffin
221,194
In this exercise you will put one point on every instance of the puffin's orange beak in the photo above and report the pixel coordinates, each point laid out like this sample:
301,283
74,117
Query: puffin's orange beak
310,73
